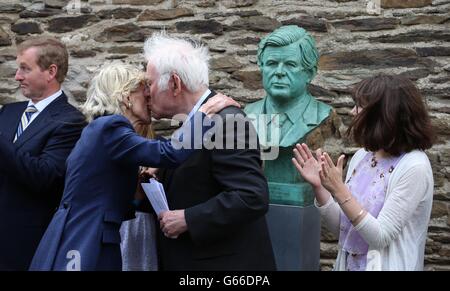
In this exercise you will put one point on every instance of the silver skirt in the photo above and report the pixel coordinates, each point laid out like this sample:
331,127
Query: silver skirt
138,244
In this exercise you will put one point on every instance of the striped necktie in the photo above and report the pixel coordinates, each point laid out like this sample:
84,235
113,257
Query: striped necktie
25,120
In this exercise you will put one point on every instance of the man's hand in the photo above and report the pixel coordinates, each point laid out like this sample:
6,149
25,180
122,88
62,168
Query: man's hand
146,173
172,223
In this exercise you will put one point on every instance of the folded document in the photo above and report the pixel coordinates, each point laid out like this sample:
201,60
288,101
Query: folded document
156,195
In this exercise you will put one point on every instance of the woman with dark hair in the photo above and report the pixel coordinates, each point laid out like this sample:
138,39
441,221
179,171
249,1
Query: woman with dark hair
381,212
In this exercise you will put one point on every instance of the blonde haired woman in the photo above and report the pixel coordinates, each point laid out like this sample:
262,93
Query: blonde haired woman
102,170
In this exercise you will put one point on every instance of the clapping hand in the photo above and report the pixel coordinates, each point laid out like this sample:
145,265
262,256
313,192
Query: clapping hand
330,174
306,164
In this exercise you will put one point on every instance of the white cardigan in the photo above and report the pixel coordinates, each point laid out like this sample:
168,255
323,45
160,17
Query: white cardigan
397,236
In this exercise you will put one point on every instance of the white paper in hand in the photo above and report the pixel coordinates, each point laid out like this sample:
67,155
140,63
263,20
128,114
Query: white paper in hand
156,195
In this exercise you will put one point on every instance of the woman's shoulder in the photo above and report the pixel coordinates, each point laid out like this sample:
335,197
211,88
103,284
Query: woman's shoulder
110,118
109,125
111,121
416,158
414,164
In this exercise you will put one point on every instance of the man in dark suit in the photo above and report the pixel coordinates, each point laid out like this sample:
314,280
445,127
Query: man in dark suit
36,136
218,197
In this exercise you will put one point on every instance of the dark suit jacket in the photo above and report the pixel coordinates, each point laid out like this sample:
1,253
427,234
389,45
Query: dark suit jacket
31,175
225,197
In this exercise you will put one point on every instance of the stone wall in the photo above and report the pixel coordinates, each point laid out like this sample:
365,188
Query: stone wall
410,37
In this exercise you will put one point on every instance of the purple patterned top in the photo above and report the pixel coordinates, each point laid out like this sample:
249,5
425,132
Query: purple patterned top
368,185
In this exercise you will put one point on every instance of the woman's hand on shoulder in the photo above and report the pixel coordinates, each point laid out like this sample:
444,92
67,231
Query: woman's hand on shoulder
217,103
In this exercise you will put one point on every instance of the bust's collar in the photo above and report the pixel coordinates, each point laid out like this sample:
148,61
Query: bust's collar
304,111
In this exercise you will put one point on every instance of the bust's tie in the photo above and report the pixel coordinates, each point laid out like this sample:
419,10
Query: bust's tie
279,122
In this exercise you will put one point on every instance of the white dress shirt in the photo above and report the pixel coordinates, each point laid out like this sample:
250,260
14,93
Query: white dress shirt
40,106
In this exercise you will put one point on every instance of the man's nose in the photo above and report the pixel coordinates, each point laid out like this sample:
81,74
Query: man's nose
280,70
18,76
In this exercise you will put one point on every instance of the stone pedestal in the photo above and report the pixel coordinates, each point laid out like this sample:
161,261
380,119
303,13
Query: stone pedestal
295,235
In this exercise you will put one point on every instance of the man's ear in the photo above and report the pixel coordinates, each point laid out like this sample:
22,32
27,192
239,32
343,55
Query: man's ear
52,71
311,74
176,84
126,101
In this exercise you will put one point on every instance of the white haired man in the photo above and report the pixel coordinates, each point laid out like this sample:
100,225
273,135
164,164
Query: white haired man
217,219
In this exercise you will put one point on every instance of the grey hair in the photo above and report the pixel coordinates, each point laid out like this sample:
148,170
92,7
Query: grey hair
187,58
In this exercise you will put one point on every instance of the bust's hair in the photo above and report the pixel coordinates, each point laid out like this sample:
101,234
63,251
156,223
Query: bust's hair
107,90
394,116
289,34
185,57
49,51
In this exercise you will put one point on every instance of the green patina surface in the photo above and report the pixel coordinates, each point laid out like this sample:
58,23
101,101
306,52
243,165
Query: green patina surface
288,61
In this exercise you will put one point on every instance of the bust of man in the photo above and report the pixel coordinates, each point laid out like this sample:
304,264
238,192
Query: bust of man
288,59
